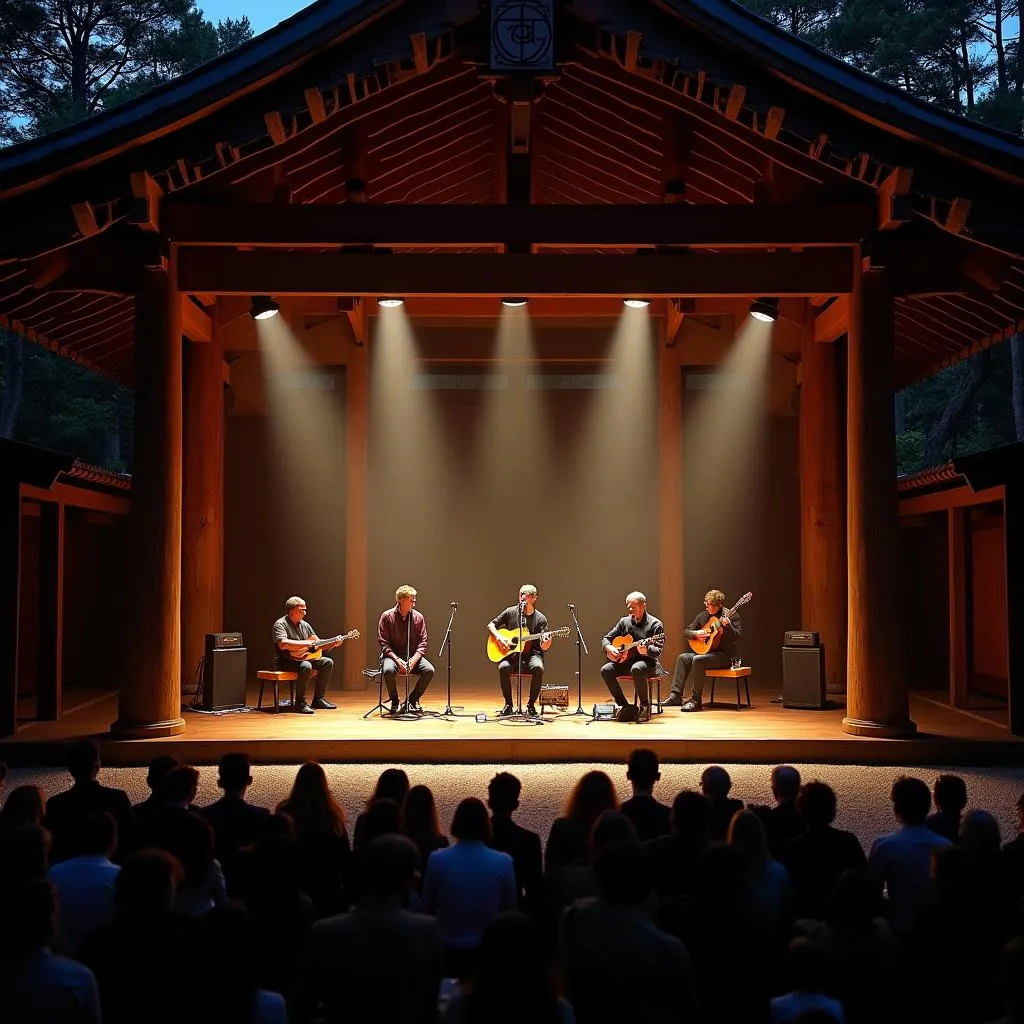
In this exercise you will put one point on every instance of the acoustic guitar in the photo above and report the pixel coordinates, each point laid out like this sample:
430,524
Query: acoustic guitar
317,647
623,645
511,637
704,644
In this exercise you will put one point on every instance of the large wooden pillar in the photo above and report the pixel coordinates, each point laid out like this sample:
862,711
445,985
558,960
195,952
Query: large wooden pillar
149,628
876,681
50,685
357,538
670,506
823,504
202,553
10,590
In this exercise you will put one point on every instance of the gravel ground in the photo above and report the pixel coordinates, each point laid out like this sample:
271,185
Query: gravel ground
862,791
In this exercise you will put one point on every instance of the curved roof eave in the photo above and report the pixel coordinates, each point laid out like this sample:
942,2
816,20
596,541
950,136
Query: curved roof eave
210,85
859,91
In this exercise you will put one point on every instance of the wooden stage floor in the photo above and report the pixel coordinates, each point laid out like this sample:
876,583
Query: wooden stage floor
765,733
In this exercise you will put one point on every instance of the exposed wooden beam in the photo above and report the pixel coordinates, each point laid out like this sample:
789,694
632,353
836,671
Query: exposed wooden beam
674,314
734,104
632,56
831,322
315,105
275,126
953,497
893,208
420,59
146,196
332,273
485,308
357,318
195,324
773,122
956,218
741,225
85,219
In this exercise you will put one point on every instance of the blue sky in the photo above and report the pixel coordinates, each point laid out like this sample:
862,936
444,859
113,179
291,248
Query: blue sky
263,14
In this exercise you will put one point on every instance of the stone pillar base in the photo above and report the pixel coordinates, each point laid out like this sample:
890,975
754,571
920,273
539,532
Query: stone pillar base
127,729
880,730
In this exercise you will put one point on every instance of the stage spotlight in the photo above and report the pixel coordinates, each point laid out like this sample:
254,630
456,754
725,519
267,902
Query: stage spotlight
514,301
390,302
636,303
766,310
263,307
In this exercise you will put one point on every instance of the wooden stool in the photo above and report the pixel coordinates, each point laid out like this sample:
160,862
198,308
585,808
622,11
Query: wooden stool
730,673
275,678
653,682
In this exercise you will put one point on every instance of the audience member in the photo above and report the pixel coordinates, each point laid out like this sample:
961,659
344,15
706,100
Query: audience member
235,822
816,858
715,784
159,768
783,821
393,785
675,858
650,818
378,962
466,885
901,861
25,805
24,853
382,818
618,965
225,938
866,962
808,972
159,826
1013,856
36,985
66,811
569,837
767,897
320,831
85,884
141,957
512,938
420,824
950,795
522,845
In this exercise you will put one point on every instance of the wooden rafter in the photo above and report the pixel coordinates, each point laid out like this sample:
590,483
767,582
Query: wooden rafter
225,272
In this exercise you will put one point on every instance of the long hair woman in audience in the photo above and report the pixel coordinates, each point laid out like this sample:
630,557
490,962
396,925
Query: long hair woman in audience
25,805
768,897
511,938
569,838
393,784
320,831
420,823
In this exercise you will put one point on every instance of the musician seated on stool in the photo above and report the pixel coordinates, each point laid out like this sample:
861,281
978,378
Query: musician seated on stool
719,658
402,632
533,621
641,661
294,637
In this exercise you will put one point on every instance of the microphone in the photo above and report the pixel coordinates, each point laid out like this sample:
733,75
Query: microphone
572,607
455,604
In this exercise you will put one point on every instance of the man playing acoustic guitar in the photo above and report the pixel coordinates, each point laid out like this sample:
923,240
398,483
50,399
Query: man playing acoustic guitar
294,637
627,656
719,658
534,622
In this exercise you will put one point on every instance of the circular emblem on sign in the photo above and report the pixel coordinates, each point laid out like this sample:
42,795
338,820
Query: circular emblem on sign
522,34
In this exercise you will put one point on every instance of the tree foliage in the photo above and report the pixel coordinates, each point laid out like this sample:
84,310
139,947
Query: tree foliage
65,60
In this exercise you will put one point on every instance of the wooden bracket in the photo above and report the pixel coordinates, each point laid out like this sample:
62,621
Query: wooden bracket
144,211
893,199
831,323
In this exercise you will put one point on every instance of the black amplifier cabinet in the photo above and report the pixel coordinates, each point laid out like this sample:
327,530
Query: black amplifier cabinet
223,672
803,677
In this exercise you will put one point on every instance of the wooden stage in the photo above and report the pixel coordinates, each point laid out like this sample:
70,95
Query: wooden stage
766,733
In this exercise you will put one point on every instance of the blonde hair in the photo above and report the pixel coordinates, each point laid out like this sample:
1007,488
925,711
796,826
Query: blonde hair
405,591
528,588
715,597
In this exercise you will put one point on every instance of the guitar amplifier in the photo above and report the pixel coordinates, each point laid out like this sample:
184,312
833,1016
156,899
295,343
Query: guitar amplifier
221,641
223,672
802,638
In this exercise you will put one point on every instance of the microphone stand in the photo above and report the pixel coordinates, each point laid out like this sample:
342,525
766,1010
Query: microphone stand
520,715
449,711
581,649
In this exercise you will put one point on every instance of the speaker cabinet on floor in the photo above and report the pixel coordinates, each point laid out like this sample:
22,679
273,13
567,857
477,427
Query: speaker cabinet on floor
223,679
803,677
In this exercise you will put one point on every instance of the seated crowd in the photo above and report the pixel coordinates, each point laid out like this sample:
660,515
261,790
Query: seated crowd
704,910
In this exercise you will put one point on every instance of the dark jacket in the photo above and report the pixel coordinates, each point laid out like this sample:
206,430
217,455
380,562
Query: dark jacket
66,811
523,846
